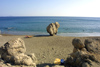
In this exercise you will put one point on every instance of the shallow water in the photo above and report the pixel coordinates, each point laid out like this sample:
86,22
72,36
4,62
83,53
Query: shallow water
69,26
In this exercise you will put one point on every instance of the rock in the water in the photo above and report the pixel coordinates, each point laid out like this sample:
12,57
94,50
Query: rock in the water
52,28
77,44
57,25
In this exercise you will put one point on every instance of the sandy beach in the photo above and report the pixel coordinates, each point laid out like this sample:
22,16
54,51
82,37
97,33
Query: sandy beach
46,48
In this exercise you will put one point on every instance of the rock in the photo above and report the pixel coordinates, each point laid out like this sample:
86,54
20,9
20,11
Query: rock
83,49
34,59
69,61
47,66
6,57
77,44
81,56
78,61
85,65
24,60
75,54
52,28
75,50
58,66
8,64
15,46
78,53
92,45
13,52
92,57
57,25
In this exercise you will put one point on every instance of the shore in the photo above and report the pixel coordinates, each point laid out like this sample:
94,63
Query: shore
46,48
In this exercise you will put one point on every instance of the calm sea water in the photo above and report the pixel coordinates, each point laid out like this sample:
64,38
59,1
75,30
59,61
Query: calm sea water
69,26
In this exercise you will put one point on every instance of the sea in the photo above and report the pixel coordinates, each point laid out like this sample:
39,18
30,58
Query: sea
36,25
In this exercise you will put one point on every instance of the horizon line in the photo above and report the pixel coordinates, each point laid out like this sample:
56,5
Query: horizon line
48,16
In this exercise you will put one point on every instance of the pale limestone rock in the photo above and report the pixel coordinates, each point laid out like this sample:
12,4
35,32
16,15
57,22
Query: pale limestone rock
15,46
34,59
13,52
82,56
52,28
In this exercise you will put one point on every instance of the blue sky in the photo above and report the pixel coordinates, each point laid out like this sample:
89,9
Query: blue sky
85,8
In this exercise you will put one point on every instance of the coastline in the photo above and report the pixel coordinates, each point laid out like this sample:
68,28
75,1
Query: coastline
97,34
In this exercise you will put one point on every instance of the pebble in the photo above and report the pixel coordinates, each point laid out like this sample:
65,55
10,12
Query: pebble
8,64
52,48
47,66
44,57
42,62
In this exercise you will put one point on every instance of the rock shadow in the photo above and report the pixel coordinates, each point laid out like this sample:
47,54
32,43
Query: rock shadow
45,64
41,35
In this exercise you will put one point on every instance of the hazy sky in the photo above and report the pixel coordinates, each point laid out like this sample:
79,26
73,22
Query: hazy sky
86,8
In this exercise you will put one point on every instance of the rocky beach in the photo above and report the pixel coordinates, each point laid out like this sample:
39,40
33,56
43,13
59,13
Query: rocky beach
47,48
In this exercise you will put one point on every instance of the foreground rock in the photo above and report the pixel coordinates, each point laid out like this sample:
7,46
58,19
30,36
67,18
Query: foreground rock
13,52
52,28
92,45
84,55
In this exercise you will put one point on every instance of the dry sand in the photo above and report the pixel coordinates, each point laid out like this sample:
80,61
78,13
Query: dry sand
46,48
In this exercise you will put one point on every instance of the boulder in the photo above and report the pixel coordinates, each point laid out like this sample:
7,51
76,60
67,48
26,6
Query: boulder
24,59
82,55
57,25
52,28
14,52
15,46
92,45
77,44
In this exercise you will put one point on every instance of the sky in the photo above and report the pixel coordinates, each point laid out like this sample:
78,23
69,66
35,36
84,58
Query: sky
79,8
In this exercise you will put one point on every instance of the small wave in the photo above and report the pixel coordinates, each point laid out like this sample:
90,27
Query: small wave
79,34
9,28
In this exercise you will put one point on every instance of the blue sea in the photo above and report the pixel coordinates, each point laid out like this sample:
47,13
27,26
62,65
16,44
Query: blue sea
36,25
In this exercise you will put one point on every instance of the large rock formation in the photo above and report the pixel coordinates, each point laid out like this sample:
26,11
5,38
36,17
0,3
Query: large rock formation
84,55
92,45
13,52
52,28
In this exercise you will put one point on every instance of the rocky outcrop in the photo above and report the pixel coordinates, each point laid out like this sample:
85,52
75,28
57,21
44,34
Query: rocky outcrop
14,52
52,28
77,44
83,54
92,45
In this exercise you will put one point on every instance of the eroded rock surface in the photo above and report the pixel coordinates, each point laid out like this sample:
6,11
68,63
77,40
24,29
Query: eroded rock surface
84,54
14,53
52,28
